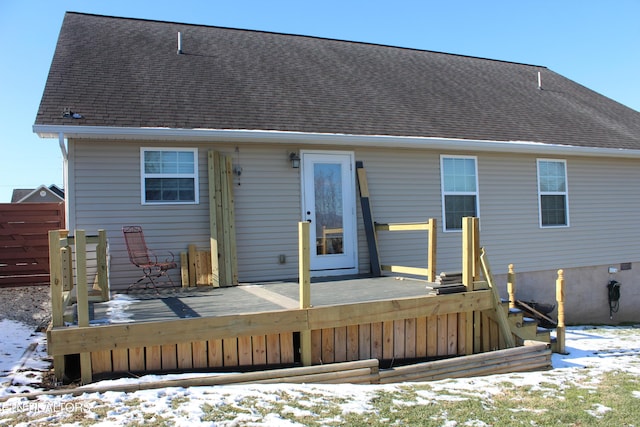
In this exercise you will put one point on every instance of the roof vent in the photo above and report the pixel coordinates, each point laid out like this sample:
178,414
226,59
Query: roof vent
68,114
539,80
179,43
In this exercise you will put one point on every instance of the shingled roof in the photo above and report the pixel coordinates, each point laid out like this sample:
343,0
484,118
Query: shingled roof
120,72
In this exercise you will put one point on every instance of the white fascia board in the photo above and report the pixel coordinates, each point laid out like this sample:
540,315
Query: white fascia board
283,137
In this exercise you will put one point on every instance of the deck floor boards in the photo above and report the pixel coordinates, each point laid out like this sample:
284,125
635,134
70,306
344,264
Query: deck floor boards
176,303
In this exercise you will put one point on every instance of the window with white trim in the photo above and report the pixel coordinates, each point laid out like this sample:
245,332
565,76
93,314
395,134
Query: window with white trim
169,175
553,193
459,180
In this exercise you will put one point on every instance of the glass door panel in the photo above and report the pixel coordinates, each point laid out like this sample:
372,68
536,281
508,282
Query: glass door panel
329,204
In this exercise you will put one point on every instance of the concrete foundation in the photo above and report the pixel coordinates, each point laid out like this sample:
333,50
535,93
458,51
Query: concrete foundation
585,293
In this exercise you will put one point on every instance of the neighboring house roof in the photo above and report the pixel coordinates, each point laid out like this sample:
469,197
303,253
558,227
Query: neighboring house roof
19,194
57,190
41,194
126,73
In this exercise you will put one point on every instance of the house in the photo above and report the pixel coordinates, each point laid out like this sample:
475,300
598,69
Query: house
42,194
551,168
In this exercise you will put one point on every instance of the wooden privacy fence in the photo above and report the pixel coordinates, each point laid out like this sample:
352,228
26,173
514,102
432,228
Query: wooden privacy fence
24,255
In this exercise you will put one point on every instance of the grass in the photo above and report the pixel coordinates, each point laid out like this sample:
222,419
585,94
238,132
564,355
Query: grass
612,398
611,401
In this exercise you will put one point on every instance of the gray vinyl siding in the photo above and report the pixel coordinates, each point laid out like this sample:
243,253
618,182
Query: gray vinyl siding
267,207
603,199
404,187
106,176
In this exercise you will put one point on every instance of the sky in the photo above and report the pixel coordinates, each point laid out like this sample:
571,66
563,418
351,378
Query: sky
593,42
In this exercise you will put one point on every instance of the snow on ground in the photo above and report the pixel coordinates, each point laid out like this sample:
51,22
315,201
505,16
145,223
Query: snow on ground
23,360
23,357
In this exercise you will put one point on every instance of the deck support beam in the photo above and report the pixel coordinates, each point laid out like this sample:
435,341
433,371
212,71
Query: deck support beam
511,286
103,273
57,308
304,262
470,274
83,300
560,329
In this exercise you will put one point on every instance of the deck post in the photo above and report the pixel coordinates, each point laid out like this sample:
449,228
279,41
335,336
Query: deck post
214,218
232,250
432,253
511,286
184,269
191,262
82,294
470,256
304,266
103,274
560,330
470,252
57,309
226,200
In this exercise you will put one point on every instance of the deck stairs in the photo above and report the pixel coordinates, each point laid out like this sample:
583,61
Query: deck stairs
526,328
522,327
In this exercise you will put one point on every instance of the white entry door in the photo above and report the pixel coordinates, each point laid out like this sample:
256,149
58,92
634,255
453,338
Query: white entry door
328,186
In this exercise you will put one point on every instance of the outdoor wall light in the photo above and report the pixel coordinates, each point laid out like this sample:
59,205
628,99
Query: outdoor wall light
295,160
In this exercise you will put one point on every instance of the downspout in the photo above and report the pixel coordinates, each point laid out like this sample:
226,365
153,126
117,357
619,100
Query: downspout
65,177
63,147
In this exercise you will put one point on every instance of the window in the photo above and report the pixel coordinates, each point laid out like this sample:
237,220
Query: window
169,176
552,191
459,190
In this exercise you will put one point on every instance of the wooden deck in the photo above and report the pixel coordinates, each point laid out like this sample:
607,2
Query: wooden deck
261,325
272,325
183,303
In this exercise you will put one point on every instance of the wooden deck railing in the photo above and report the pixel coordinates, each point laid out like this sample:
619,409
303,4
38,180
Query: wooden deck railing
391,329
430,228
474,261
75,274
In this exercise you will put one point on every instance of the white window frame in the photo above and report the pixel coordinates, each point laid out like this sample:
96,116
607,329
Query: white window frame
144,176
564,193
445,193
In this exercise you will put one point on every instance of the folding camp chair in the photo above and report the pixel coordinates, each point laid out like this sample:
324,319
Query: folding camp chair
142,257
